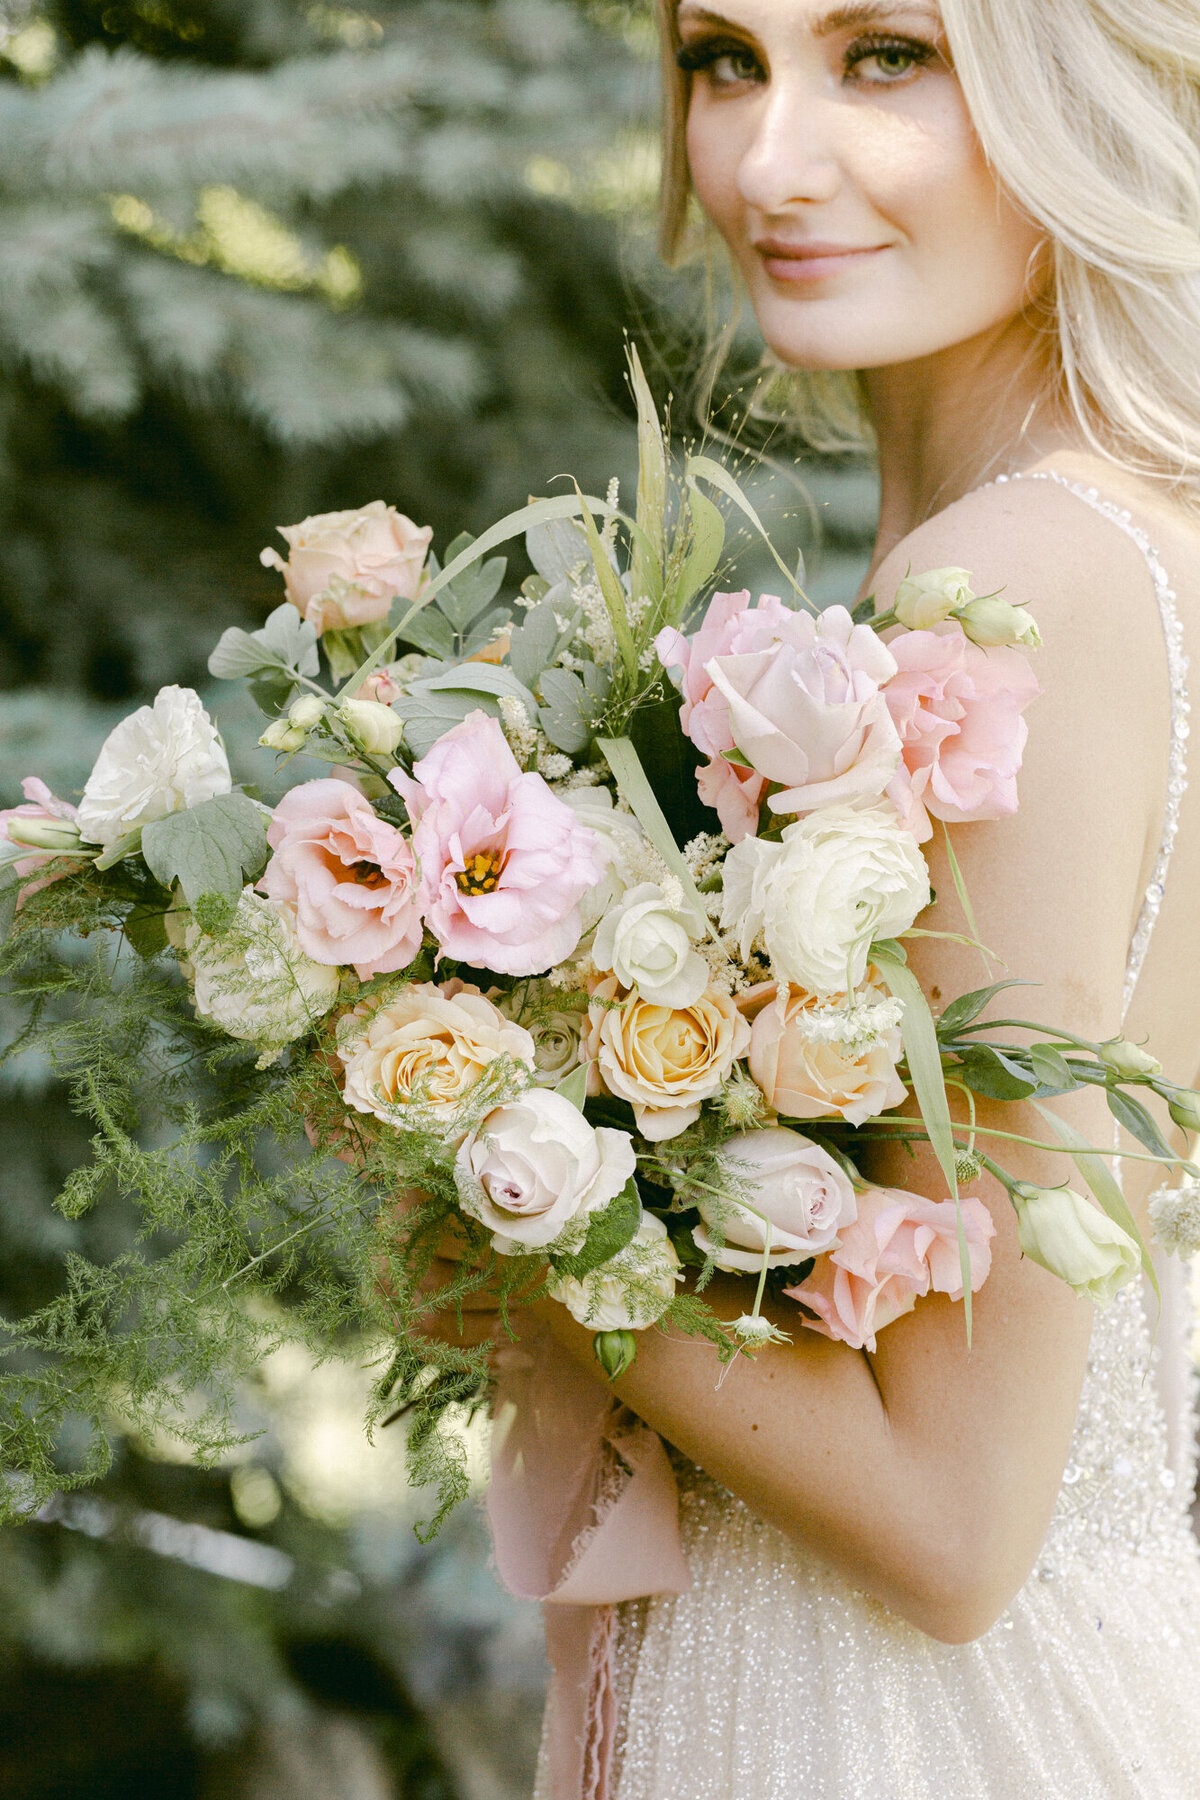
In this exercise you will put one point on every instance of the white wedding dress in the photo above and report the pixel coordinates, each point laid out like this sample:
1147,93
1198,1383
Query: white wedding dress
774,1679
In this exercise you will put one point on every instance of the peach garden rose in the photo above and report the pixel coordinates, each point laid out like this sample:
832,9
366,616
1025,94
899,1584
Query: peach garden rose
344,569
808,1075
664,1060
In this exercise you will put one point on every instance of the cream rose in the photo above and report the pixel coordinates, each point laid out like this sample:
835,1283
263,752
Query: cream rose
632,1290
161,759
647,943
557,1031
836,881
426,1047
535,1165
807,1074
664,1060
255,981
345,568
804,1196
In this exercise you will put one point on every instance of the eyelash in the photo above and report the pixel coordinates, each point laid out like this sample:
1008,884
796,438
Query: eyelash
703,55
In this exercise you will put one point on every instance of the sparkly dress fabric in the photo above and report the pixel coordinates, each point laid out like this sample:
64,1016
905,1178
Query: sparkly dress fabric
772,1678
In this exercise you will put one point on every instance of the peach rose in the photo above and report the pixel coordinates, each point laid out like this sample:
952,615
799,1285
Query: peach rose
664,1060
807,1076
426,1047
900,1246
345,568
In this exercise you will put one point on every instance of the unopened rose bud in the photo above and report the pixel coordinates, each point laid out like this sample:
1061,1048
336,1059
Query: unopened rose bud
1128,1060
994,623
279,735
381,686
615,1351
377,728
306,713
1184,1108
1066,1234
43,834
925,600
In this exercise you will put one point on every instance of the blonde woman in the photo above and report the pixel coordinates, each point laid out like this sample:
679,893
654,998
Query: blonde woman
928,1574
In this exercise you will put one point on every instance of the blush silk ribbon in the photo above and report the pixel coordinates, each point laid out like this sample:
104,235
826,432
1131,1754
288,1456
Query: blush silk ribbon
584,1513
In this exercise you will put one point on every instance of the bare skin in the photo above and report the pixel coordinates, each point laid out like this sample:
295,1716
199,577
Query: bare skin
925,1474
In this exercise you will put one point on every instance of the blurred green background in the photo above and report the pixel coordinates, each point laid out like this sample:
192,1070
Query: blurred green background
262,258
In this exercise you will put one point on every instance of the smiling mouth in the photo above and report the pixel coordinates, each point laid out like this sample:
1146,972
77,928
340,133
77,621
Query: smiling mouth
801,263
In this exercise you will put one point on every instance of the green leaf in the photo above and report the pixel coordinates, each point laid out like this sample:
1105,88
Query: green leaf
573,1087
635,789
286,641
608,1231
964,899
925,1071
670,760
534,644
704,553
564,717
215,847
494,680
1138,1122
986,1071
463,600
124,846
428,631
146,930
646,567
1100,1180
613,592
864,612
485,629
720,478
1052,1069
967,1007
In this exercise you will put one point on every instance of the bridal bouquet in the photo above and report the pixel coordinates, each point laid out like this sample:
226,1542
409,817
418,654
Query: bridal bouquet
582,962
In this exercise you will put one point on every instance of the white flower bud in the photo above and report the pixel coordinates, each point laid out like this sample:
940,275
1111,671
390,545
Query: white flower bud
42,834
615,1351
925,600
376,727
1184,1106
1128,1060
1066,1234
994,623
306,712
279,735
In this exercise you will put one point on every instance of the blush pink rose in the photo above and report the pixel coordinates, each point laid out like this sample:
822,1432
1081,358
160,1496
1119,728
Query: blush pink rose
504,863
42,815
350,876
808,711
958,710
734,793
345,568
900,1247
731,627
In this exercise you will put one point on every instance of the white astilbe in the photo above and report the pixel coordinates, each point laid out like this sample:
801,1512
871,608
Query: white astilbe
704,853
1175,1218
518,727
855,1027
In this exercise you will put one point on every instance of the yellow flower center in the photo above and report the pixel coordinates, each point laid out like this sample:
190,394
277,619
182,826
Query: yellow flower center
481,873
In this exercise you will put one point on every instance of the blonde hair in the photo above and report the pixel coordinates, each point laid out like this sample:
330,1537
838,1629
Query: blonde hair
1089,114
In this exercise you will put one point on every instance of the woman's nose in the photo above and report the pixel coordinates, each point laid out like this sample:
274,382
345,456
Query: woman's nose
793,157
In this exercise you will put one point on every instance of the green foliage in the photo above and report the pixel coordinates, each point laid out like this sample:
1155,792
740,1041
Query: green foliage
213,848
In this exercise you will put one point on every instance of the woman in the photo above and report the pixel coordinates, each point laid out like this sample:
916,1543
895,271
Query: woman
928,1572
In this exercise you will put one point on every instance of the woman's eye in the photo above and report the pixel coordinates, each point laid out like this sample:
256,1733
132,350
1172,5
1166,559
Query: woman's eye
882,62
724,65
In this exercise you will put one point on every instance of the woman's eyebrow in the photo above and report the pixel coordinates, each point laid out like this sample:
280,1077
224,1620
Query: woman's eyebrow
847,17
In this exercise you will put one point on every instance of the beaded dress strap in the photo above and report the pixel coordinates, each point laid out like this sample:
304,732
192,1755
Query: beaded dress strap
1177,668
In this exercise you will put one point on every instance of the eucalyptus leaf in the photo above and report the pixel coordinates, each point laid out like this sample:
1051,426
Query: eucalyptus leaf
428,631
492,679
608,1232
428,715
286,641
557,548
215,847
486,629
564,717
463,599
533,644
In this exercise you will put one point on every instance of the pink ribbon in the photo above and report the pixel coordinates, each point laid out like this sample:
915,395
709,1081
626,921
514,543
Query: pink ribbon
584,1513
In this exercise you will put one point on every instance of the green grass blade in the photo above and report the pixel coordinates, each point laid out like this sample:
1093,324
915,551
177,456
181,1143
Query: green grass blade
635,789
720,478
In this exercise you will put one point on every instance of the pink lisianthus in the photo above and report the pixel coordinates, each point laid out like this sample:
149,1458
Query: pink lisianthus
504,863
958,710
900,1247
52,824
345,568
734,793
350,876
731,627
808,711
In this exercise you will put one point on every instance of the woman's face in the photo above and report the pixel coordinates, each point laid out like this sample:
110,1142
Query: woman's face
831,147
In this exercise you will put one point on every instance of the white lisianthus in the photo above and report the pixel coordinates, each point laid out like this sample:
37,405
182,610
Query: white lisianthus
255,981
836,881
923,601
630,1291
535,1165
1066,1234
622,842
161,759
647,943
992,622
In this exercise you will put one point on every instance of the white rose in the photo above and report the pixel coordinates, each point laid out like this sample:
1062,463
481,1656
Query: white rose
838,880
647,943
923,601
534,1165
161,759
623,844
807,1198
254,981
1066,1234
632,1290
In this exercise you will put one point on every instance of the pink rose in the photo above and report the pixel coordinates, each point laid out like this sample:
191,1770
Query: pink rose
51,823
899,1247
734,793
801,1196
804,1075
345,568
958,710
503,862
731,627
808,712
351,877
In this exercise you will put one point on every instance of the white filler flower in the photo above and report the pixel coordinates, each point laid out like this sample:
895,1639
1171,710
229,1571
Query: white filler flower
630,1291
161,759
255,981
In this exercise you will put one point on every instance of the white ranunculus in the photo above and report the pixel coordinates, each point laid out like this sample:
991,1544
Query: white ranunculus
836,881
806,1197
534,1165
923,601
647,943
161,759
1066,1234
632,1290
623,843
255,981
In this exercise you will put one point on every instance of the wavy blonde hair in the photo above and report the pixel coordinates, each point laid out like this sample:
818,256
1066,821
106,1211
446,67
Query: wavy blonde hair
1089,113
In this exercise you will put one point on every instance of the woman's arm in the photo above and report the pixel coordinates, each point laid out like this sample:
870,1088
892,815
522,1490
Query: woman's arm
927,1474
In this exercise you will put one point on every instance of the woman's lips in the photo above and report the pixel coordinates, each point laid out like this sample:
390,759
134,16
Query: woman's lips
813,261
